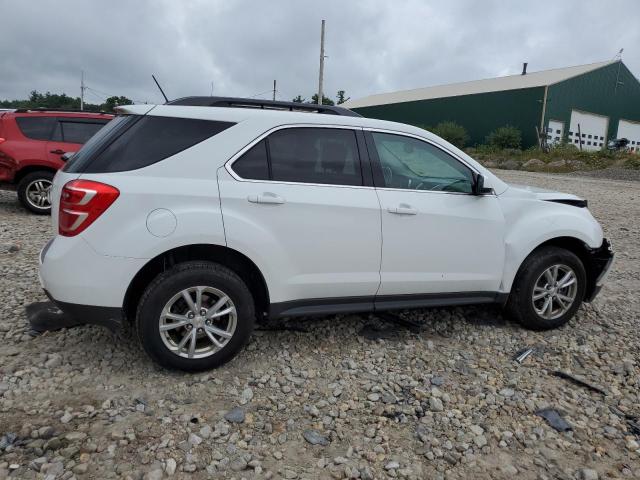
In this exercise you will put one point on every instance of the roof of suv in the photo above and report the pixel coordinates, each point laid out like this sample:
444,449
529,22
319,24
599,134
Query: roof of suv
236,102
58,112
267,115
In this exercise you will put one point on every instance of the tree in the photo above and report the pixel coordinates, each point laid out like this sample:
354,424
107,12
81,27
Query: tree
451,132
325,100
52,100
112,102
505,137
341,97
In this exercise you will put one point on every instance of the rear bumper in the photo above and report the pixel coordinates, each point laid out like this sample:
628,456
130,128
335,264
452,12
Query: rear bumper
110,317
84,284
600,263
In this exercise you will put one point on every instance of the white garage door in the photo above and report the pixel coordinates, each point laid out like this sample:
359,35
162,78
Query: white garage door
555,130
593,129
630,131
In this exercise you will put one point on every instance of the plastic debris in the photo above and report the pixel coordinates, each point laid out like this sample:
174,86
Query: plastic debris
45,316
578,381
522,355
555,419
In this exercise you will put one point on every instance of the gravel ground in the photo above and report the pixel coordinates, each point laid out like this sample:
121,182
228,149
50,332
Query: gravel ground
320,398
613,173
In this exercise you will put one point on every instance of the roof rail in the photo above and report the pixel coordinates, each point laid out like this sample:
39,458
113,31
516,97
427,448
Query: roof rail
69,110
234,102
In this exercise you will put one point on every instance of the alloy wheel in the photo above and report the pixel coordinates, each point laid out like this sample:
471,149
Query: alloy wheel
38,193
554,291
197,322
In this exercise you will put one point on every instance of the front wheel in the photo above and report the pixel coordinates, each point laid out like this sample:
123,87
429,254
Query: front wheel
548,289
34,191
195,316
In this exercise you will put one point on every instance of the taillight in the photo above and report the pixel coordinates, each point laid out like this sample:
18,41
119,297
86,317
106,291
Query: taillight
81,203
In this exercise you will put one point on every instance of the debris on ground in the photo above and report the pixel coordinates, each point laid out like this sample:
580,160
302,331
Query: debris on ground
555,419
396,319
46,317
578,381
315,438
522,355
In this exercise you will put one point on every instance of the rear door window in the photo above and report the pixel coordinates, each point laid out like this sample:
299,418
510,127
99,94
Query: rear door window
304,155
315,155
36,128
253,164
76,130
132,142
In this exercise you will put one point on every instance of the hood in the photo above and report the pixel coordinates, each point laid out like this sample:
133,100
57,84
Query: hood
525,191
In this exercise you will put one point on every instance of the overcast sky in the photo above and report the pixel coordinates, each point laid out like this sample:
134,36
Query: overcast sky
242,46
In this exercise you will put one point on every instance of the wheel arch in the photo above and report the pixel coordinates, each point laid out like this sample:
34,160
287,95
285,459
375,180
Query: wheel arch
24,171
577,247
230,258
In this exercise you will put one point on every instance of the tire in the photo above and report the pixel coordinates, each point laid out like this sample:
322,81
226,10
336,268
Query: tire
28,187
521,304
164,297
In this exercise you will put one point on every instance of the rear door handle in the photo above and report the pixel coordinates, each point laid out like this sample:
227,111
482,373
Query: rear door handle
58,151
403,209
267,198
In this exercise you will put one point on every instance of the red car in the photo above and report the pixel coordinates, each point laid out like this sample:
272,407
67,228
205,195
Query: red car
32,146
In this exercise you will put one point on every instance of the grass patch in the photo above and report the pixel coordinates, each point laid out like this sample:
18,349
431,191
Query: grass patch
560,159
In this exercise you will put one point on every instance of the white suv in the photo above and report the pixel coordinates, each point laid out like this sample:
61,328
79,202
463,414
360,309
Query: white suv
194,219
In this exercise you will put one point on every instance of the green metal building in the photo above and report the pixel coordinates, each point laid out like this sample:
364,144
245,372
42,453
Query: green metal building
585,105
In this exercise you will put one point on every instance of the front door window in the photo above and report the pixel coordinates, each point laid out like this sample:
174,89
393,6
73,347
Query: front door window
412,164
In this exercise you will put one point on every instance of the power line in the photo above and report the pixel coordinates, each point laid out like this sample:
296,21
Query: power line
261,93
105,95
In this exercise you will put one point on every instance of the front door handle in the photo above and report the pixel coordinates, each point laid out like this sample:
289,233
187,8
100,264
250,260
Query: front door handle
58,151
267,198
403,209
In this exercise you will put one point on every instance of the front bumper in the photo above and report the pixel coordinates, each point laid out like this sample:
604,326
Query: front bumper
600,263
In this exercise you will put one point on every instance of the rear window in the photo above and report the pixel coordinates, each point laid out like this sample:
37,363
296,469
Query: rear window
36,128
72,130
133,141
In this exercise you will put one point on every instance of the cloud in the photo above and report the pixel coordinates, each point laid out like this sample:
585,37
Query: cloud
242,46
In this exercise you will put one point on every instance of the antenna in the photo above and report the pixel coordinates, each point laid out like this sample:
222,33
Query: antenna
159,87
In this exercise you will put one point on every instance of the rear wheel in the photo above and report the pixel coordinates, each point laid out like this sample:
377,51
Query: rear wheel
196,316
34,191
548,289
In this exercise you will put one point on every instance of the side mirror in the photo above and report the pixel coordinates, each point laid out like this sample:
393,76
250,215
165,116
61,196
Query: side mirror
65,157
479,188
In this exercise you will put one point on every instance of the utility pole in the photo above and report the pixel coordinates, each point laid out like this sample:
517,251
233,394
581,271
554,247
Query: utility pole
274,90
82,87
321,64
